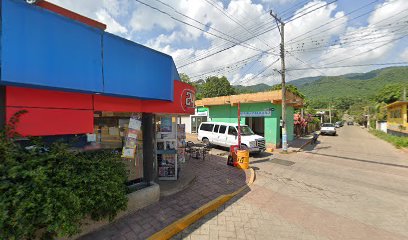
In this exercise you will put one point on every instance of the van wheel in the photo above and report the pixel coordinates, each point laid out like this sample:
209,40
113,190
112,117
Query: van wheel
206,141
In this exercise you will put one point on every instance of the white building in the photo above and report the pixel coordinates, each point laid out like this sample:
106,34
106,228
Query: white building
192,122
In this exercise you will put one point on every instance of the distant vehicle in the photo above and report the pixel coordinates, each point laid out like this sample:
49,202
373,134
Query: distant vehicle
350,123
226,135
338,124
328,129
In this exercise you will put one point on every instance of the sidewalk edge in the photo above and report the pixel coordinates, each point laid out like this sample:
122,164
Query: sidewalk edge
194,216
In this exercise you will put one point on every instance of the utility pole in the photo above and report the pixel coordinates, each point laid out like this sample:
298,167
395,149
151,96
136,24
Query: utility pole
368,117
281,29
330,113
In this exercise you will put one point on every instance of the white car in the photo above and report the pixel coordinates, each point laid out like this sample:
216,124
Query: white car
328,129
226,134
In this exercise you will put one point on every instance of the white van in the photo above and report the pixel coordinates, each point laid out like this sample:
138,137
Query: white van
226,134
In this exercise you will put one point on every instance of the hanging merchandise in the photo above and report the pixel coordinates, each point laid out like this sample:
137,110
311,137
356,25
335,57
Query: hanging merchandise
129,150
166,125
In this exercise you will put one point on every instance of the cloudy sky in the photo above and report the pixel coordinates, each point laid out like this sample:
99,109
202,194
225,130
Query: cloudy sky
239,38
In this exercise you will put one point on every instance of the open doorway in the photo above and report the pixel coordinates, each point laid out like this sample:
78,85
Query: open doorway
257,124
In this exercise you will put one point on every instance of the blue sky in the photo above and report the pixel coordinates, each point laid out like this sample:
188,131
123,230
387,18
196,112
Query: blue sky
342,37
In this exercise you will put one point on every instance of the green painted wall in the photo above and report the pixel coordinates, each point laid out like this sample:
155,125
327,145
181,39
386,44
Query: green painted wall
229,114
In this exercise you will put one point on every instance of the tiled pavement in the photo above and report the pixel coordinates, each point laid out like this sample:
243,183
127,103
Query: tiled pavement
353,186
214,178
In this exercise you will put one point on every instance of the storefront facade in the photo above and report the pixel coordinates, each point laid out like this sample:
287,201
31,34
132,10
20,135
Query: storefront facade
260,111
74,80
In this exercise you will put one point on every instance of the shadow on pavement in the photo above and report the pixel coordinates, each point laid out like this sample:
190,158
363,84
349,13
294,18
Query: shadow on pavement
213,179
359,160
212,216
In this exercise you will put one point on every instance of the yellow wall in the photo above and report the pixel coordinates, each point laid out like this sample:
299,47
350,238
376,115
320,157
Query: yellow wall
395,123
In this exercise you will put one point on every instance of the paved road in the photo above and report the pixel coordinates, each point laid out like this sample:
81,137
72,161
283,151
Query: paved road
352,186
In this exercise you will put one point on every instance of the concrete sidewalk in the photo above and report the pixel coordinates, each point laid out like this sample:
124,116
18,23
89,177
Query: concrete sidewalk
213,178
298,143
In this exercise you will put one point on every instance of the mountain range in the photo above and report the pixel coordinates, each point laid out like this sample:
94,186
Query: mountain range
353,85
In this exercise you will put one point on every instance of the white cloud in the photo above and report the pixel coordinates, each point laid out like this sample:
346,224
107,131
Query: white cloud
106,11
186,44
404,55
279,1
112,25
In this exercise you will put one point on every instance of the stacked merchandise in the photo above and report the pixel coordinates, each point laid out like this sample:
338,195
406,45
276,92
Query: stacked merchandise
181,142
167,149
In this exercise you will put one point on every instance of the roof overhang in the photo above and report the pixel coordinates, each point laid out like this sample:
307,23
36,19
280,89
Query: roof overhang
274,97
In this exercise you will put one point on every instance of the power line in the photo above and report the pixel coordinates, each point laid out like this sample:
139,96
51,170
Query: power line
252,37
297,17
336,19
370,50
348,66
203,30
225,13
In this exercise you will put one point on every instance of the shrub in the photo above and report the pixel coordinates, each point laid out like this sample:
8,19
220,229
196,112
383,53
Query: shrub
52,191
399,142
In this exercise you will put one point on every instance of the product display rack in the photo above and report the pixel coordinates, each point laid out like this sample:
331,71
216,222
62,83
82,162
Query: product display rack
166,150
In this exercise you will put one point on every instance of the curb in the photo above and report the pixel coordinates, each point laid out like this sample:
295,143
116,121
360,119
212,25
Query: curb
307,143
171,192
194,216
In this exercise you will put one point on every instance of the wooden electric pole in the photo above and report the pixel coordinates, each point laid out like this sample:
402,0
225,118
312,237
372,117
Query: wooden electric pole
281,29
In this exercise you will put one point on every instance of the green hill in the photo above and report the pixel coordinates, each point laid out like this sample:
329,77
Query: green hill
364,85
352,85
252,89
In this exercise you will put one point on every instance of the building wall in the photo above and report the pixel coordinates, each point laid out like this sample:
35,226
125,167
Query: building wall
187,121
229,114
394,124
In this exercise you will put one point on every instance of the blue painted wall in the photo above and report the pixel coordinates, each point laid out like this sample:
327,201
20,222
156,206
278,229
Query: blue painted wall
134,70
47,50
42,49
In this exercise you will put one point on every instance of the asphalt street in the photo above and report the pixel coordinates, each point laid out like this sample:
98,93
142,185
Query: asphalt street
350,186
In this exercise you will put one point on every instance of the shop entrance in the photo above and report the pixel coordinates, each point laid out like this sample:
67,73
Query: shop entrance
257,124
196,121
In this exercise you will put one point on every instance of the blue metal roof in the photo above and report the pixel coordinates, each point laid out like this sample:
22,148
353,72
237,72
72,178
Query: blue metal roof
40,48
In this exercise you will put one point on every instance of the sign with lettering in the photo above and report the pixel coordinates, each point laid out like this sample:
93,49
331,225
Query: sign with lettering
257,114
187,99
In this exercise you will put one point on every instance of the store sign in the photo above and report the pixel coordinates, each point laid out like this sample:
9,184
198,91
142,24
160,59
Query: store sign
257,114
187,99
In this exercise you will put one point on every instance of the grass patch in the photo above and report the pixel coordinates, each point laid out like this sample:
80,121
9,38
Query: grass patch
399,142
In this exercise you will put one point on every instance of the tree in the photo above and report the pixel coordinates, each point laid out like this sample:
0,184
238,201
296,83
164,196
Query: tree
216,87
289,87
185,78
390,93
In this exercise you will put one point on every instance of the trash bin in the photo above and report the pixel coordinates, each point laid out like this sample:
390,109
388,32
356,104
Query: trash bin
243,159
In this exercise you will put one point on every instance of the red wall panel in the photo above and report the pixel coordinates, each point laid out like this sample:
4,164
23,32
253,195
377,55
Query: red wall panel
29,97
71,14
115,104
178,106
43,122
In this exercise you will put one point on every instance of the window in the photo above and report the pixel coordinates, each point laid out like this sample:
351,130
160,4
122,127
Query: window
206,127
396,113
222,129
232,131
246,131
216,128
